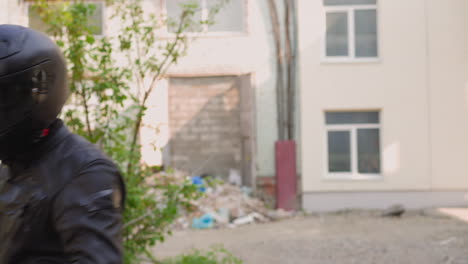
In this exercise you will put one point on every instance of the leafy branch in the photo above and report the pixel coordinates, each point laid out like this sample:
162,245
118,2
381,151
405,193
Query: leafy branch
104,109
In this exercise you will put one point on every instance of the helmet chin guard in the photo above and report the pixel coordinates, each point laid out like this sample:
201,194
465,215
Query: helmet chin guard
33,86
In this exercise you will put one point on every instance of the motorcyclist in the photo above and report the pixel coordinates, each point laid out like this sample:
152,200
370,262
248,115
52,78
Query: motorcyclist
61,199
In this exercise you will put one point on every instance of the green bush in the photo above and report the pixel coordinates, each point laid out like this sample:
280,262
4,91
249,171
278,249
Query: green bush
216,255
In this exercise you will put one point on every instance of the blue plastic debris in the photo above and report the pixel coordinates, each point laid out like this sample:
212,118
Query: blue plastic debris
197,180
204,222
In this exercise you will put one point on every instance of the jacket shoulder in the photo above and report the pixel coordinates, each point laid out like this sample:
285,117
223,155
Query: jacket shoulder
73,157
76,149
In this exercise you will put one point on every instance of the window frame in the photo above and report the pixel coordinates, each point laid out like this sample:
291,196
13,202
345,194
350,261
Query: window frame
354,173
205,32
104,14
350,11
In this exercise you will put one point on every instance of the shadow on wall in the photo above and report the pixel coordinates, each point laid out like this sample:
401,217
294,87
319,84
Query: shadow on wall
205,125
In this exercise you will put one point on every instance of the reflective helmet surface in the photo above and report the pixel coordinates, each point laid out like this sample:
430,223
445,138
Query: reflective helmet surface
33,86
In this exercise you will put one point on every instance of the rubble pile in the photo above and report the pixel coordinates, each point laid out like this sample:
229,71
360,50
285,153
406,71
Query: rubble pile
228,205
237,200
222,205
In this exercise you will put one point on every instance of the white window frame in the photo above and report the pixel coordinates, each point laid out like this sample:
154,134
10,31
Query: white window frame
350,10
205,32
354,173
104,13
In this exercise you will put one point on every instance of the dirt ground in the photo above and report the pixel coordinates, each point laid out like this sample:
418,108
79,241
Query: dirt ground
426,237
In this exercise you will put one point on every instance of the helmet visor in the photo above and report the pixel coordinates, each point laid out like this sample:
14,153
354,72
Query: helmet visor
14,99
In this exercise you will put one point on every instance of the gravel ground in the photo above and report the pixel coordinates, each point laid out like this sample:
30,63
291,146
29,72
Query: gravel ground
357,237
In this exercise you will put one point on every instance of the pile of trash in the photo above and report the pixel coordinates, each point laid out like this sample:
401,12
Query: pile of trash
226,205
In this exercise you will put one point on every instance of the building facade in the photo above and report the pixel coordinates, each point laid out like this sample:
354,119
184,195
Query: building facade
384,100
215,113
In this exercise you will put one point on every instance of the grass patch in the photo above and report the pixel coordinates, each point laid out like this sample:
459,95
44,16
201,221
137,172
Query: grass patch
216,255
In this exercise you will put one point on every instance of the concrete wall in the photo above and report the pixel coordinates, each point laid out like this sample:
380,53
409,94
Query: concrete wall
335,201
418,83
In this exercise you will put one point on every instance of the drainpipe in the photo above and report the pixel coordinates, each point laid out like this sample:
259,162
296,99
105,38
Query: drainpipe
276,28
294,97
285,148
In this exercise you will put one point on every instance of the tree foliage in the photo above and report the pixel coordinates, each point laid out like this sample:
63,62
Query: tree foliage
109,98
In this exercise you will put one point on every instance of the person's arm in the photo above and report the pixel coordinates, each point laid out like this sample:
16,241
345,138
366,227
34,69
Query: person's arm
88,216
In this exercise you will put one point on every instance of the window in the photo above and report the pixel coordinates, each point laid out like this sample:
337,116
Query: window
353,144
351,31
96,20
230,18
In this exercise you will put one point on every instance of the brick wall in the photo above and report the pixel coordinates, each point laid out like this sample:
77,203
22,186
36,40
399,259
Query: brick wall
204,120
266,190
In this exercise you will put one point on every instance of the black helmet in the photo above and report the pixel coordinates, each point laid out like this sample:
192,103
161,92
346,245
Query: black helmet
33,87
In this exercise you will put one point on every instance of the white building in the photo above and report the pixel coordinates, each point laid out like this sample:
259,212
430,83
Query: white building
384,103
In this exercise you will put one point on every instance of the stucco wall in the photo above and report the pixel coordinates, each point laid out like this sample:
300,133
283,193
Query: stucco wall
396,85
448,75
418,83
3,12
15,12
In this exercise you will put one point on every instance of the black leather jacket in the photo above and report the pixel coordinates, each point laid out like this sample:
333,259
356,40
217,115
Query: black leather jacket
61,203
